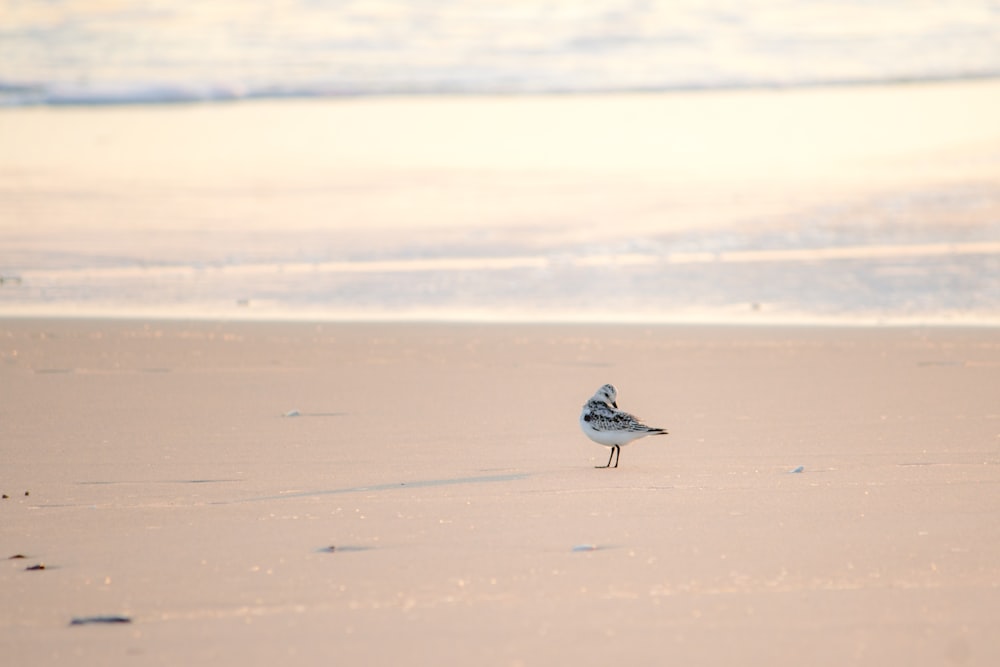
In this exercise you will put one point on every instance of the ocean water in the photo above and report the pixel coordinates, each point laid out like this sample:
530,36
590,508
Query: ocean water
92,51
427,235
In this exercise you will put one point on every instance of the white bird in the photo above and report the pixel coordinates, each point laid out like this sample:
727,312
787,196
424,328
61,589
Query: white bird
605,424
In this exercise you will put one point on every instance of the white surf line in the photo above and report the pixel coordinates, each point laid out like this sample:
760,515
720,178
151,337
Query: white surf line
845,252
421,265
253,268
457,264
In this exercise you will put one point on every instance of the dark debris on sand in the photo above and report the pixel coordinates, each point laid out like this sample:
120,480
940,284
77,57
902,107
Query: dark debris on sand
90,620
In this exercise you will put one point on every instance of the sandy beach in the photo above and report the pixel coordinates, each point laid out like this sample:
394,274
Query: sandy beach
300,303
431,500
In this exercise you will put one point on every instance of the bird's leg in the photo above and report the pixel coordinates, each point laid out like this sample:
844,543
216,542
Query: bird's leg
609,458
619,451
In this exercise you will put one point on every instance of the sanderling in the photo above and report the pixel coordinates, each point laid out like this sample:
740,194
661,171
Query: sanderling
605,424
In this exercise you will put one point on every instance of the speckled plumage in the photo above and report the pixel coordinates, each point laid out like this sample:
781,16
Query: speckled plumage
605,424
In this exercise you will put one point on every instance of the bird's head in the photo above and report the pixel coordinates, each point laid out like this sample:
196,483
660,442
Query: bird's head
608,395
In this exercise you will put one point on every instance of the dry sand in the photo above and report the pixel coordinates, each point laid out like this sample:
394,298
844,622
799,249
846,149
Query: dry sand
444,466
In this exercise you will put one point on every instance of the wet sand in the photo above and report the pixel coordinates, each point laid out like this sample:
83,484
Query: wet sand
457,207
431,499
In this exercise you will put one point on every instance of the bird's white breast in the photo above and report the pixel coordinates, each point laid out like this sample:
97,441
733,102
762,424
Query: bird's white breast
606,438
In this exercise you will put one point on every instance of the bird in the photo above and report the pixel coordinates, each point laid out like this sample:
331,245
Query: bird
605,424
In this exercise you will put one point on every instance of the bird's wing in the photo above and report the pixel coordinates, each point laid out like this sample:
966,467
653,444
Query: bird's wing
604,418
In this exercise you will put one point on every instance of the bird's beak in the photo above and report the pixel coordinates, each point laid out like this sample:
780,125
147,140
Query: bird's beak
614,404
